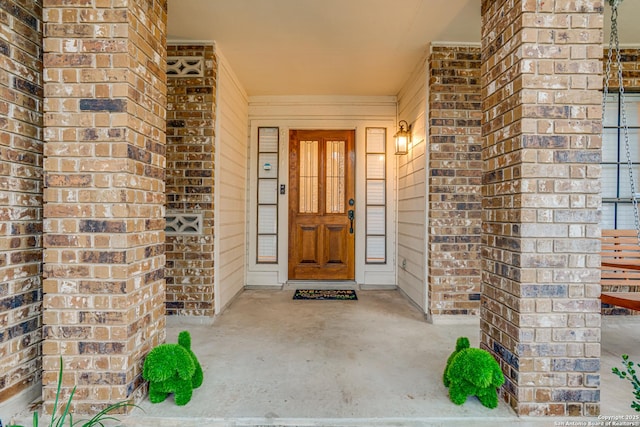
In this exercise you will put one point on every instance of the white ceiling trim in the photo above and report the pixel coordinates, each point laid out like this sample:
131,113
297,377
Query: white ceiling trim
182,42
456,44
338,47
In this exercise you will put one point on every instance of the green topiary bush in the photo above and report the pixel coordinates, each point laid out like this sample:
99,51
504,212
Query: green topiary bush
472,372
173,368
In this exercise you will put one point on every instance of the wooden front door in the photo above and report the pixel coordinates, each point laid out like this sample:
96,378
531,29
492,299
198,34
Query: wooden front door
321,205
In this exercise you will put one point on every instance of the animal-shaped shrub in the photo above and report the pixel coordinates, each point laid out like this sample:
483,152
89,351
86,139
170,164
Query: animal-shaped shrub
472,372
173,368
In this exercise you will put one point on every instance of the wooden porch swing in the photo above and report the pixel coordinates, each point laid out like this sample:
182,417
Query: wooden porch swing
620,268
620,251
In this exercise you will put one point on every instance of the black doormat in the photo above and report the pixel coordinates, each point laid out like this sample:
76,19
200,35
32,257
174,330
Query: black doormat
326,294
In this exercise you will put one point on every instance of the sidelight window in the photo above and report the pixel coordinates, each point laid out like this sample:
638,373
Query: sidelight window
267,233
376,203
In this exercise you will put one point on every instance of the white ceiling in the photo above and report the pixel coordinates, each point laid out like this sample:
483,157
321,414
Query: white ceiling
333,47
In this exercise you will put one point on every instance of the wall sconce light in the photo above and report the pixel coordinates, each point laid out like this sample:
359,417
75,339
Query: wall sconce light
403,137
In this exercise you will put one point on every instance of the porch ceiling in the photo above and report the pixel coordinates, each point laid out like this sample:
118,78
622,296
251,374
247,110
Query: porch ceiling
334,47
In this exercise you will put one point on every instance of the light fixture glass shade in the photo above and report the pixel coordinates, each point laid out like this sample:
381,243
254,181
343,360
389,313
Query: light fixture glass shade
402,137
402,144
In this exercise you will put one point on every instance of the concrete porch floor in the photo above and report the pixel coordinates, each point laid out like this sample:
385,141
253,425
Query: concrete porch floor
269,360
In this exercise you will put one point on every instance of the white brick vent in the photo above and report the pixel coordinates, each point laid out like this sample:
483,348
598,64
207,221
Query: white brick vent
183,223
185,66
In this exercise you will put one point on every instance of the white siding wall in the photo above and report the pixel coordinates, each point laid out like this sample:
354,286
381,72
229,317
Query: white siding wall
231,143
412,189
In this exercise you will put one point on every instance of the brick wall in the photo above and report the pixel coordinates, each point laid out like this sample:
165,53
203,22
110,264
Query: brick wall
190,155
630,58
105,99
20,195
455,179
540,316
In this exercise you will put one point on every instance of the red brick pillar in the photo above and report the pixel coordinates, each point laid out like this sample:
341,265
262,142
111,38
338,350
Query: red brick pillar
540,311
105,102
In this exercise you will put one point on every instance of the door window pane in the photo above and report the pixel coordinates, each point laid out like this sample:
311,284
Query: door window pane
335,177
308,177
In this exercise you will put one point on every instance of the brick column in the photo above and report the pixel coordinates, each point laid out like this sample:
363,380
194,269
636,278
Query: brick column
105,101
542,123
20,196
455,178
190,157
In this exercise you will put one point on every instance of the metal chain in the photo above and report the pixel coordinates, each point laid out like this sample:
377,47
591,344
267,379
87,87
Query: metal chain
614,43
